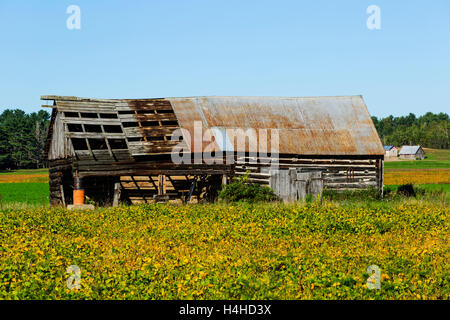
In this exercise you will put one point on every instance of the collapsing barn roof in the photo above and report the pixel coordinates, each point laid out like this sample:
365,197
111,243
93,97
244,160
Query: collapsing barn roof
125,147
306,125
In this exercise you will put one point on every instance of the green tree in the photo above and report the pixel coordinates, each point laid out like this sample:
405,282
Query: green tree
22,139
430,130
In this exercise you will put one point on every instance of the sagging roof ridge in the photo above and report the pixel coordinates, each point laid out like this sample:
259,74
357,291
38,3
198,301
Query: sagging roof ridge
75,98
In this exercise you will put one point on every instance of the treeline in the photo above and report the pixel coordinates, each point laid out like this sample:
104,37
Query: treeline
23,136
22,139
430,130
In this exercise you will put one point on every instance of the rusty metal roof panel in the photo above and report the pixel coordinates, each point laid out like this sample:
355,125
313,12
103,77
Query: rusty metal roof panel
306,125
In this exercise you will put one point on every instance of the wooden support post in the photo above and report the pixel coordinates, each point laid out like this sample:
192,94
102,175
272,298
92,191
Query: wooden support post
164,184
191,190
224,179
381,177
116,194
161,184
62,195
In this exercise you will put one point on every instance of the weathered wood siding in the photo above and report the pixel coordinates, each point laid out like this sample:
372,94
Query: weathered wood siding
60,147
60,181
293,185
337,173
393,153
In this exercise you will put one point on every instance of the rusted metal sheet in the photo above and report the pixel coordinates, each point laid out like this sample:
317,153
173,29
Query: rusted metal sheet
306,126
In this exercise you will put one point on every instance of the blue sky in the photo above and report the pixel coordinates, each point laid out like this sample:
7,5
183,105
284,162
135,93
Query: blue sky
141,49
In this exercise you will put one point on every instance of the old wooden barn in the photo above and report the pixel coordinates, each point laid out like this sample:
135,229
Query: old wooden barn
123,149
411,153
390,152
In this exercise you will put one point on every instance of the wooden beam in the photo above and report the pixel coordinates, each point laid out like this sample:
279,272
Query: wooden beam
130,172
87,143
63,198
94,135
161,184
116,194
153,182
107,143
79,99
72,120
148,117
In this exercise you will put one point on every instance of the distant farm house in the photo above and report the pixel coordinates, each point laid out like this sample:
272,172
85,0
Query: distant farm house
124,150
390,152
412,153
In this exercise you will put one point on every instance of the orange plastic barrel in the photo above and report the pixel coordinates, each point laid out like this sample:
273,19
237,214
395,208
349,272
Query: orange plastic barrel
78,191
78,196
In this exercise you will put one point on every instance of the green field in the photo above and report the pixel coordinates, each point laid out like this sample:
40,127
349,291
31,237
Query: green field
14,193
437,155
24,171
33,194
438,159
417,164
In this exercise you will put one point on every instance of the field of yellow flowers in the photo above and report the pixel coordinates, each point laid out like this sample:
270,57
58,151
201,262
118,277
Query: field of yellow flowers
261,251
416,176
24,178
